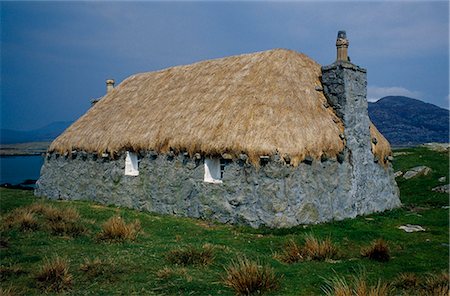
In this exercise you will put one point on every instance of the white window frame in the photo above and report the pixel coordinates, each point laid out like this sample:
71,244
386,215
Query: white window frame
131,164
213,171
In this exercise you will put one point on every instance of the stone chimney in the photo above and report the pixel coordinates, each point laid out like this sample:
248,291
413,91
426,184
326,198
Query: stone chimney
342,47
109,85
344,86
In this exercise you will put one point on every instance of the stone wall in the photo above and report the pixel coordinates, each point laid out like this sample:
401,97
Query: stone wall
275,195
345,86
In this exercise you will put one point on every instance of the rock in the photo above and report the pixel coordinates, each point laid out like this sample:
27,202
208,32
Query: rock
442,189
442,179
417,171
398,174
438,147
401,153
411,228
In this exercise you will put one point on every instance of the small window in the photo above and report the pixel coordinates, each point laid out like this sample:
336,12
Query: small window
131,164
213,170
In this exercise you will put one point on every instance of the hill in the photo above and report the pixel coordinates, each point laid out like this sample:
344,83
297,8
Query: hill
407,121
403,121
149,254
44,134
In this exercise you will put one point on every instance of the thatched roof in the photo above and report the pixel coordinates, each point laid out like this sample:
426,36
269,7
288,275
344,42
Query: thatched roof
259,104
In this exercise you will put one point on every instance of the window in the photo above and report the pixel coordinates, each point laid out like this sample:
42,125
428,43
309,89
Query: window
213,170
131,164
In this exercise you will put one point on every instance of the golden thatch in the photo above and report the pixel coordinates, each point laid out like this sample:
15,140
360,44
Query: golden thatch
380,147
258,104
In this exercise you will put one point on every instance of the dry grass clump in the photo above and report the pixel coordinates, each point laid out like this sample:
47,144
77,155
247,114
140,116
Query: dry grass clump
429,285
407,280
313,249
96,267
319,250
338,286
55,215
65,222
191,255
59,221
246,277
378,251
436,285
54,275
170,272
115,229
291,253
40,208
21,218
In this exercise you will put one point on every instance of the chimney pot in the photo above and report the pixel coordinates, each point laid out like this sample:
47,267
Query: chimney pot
109,85
342,46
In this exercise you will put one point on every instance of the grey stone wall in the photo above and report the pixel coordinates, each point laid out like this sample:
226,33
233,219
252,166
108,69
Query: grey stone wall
275,195
345,86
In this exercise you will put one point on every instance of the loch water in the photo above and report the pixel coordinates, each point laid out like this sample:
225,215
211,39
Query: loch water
17,169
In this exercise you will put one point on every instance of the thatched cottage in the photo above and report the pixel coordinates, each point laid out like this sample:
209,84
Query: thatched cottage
268,138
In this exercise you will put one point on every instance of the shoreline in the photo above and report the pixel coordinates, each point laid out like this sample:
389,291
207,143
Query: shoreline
24,149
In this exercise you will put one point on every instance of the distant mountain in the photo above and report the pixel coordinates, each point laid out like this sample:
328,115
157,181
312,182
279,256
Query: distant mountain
402,120
407,121
44,134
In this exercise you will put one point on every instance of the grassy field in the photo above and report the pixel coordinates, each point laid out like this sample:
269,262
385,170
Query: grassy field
76,248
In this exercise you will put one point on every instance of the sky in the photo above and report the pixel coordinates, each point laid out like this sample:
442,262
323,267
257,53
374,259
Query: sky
56,56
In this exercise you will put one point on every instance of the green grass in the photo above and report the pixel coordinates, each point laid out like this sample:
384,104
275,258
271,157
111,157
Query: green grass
141,266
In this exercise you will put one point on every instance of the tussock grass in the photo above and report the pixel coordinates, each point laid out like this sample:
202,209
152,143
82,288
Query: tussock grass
320,250
338,286
64,221
21,218
378,251
54,275
96,267
430,284
291,253
246,277
191,255
313,249
142,268
169,272
55,215
115,229
407,280
436,284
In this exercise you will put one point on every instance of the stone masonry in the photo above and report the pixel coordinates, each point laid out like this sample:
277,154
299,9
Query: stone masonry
275,195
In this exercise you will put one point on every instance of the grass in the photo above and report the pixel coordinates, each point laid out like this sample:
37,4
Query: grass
359,286
116,229
378,251
139,265
246,277
54,275
191,255
313,249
